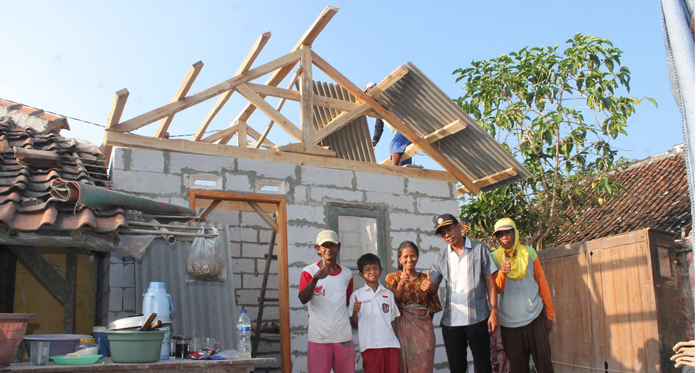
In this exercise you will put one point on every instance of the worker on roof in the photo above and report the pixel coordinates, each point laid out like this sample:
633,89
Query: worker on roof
399,142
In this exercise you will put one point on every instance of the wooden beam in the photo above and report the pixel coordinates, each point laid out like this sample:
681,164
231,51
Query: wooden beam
388,81
283,287
222,100
307,39
264,216
117,106
42,269
181,93
394,121
69,291
319,100
229,131
300,148
260,140
449,129
270,111
340,121
242,133
306,98
490,179
195,99
195,147
204,214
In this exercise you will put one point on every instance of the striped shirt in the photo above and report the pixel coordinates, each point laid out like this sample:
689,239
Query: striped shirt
465,301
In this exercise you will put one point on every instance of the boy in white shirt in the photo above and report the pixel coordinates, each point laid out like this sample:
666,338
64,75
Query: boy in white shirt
374,312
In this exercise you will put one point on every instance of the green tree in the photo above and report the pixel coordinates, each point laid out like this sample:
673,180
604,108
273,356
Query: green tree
556,111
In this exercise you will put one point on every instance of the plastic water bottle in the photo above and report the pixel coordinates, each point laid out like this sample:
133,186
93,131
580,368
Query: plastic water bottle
244,336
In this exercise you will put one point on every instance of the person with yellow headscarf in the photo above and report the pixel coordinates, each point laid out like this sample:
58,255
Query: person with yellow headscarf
526,309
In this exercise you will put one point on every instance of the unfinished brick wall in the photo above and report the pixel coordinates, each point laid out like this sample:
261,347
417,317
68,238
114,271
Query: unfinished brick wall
409,205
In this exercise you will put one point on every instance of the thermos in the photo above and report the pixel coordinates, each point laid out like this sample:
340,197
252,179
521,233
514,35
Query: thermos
158,301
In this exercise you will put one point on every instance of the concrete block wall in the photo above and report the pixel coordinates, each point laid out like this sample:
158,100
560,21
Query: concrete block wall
410,206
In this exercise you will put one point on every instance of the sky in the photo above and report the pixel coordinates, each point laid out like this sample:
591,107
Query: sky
70,57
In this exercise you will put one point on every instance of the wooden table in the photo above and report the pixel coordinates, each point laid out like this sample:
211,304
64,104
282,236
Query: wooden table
163,366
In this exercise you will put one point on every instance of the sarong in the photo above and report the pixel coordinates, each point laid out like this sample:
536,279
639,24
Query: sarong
417,337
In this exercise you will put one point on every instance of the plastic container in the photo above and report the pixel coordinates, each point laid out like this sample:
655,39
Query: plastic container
12,328
156,300
87,346
244,336
99,334
134,347
61,344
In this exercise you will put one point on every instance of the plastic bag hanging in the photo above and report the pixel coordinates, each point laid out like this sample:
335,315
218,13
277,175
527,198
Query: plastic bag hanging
206,261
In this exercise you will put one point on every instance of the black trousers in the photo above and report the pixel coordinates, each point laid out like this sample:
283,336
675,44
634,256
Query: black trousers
531,339
476,337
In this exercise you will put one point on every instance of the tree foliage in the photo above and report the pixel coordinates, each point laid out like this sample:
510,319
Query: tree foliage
556,111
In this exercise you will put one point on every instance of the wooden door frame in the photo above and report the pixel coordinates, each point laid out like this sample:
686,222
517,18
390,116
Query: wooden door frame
261,203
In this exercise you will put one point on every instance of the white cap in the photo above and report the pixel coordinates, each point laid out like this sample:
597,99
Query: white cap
369,86
327,236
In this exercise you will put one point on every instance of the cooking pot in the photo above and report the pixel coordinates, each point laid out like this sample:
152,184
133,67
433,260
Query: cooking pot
136,322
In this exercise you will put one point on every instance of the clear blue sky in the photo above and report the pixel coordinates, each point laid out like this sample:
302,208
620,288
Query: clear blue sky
70,57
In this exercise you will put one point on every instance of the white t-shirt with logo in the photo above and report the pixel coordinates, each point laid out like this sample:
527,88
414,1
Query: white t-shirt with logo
377,311
328,311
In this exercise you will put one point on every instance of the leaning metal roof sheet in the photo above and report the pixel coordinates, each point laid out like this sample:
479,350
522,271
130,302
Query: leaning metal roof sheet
425,108
353,141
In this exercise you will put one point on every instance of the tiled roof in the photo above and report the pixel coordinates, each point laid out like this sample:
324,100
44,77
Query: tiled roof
33,118
29,161
656,196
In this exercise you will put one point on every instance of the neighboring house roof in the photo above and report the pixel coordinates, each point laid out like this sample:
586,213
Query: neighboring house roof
656,196
29,162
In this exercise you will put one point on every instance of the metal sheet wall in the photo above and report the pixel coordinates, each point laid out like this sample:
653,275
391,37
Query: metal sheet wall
201,309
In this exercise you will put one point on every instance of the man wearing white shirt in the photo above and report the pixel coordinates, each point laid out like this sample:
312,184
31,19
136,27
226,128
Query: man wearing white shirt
469,272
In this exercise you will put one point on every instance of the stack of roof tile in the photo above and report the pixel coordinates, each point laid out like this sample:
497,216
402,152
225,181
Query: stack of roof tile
25,182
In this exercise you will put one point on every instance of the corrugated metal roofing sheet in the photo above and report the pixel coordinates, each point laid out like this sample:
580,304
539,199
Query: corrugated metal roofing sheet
353,141
425,108
201,309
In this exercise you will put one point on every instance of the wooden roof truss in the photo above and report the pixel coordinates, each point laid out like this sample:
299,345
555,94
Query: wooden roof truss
119,133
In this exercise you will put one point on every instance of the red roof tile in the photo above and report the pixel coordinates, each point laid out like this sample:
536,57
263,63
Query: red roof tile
656,196
25,187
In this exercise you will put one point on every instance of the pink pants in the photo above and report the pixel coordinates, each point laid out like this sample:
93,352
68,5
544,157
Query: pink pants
322,357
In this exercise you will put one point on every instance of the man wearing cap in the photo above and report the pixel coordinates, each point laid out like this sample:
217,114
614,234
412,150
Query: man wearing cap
469,273
326,286
526,308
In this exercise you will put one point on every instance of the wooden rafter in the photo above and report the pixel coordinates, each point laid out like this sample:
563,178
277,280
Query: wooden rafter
490,179
222,100
307,98
270,111
195,99
307,39
180,93
288,94
117,106
340,121
394,121
281,102
441,133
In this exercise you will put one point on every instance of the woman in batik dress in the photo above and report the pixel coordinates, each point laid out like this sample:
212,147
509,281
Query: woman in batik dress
415,326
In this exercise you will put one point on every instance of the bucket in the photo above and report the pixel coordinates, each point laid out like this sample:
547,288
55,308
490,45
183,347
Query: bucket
132,346
158,301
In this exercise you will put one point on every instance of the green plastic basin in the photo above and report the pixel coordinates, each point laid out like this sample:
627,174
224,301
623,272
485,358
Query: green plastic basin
134,346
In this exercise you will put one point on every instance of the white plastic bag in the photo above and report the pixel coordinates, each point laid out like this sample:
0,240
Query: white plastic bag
206,261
